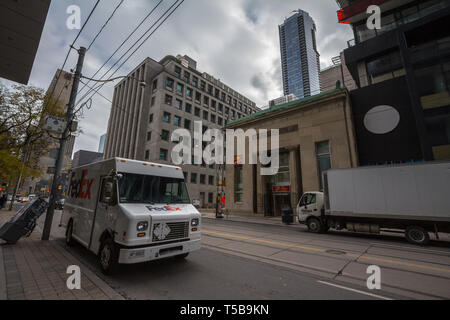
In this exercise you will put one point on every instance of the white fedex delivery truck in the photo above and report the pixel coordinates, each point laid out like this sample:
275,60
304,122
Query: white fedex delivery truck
128,211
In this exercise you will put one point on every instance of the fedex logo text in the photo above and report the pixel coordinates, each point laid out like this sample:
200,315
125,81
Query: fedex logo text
165,208
80,188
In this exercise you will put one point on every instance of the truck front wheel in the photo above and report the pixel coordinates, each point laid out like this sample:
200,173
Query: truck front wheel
109,257
315,225
417,235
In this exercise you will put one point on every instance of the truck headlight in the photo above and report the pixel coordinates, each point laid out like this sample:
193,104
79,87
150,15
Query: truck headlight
142,226
194,222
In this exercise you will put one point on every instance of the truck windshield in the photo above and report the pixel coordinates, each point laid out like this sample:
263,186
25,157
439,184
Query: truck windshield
135,188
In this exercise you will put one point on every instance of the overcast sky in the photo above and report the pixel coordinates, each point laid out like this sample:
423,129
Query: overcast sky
233,40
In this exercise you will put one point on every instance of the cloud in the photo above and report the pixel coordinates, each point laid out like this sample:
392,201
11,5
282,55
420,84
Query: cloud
236,41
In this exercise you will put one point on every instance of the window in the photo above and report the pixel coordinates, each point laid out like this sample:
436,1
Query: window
195,81
202,85
238,184
188,108
219,121
307,199
187,124
193,177
151,118
220,107
210,197
217,93
205,115
166,117
136,188
168,100
189,92
198,96
210,89
153,102
211,180
197,112
384,67
177,72
147,154
149,136
169,83
179,104
177,121
323,159
213,104
165,135
163,154
155,85
186,77
180,88
202,179
213,118
206,101
227,110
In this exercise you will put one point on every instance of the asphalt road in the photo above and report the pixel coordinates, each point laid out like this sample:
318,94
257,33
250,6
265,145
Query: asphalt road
237,274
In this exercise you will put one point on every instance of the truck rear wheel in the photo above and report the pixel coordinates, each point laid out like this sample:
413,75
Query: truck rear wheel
417,235
109,257
315,225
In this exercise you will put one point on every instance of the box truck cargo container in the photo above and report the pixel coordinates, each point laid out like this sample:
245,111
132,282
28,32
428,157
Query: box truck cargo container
414,198
128,211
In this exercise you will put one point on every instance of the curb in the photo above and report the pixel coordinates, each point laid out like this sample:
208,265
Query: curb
293,226
3,295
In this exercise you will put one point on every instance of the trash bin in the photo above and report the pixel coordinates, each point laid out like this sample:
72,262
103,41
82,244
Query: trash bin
287,215
23,222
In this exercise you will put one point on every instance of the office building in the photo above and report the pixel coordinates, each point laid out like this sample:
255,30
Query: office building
84,157
338,71
299,56
101,145
316,134
402,70
175,95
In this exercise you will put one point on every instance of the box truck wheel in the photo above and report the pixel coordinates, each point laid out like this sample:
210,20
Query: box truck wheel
109,256
315,225
417,235
69,231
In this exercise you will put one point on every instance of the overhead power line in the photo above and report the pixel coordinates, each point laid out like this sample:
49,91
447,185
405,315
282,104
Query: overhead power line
105,24
122,44
166,16
68,54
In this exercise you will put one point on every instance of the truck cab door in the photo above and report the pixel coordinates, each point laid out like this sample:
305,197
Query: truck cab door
104,213
307,207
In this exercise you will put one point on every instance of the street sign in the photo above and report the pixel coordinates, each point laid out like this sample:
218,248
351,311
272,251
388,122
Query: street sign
54,124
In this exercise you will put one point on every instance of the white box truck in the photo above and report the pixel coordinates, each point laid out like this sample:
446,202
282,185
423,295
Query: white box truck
128,211
414,198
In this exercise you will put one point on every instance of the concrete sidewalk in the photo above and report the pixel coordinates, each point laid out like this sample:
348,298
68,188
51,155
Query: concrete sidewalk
36,270
208,214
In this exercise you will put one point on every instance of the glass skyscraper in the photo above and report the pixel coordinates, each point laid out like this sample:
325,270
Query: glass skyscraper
299,55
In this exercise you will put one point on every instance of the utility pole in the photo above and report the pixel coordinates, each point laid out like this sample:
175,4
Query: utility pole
62,147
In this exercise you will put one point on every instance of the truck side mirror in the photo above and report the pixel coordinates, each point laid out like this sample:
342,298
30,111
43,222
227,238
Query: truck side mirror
108,192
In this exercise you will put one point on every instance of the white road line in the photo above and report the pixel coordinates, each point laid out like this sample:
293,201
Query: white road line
354,290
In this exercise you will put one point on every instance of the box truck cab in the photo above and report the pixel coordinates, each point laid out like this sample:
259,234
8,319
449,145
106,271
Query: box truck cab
128,212
413,198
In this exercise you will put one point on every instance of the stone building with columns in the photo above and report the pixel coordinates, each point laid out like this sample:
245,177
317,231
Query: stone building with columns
315,134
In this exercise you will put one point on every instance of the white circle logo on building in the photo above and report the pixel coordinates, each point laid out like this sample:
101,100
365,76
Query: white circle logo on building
381,119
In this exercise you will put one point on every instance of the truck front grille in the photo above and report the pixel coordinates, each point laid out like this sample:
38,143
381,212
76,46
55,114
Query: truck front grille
175,231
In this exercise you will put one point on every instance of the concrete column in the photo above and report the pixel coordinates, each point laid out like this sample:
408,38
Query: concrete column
130,115
293,172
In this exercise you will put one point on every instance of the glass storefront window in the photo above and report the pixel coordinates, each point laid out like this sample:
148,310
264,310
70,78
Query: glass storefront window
238,184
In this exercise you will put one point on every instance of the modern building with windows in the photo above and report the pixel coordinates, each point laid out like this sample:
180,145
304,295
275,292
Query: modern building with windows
401,107
299,56
176,95
316,134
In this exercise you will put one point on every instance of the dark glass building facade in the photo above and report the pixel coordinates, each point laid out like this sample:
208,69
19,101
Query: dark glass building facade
402,104
299,55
